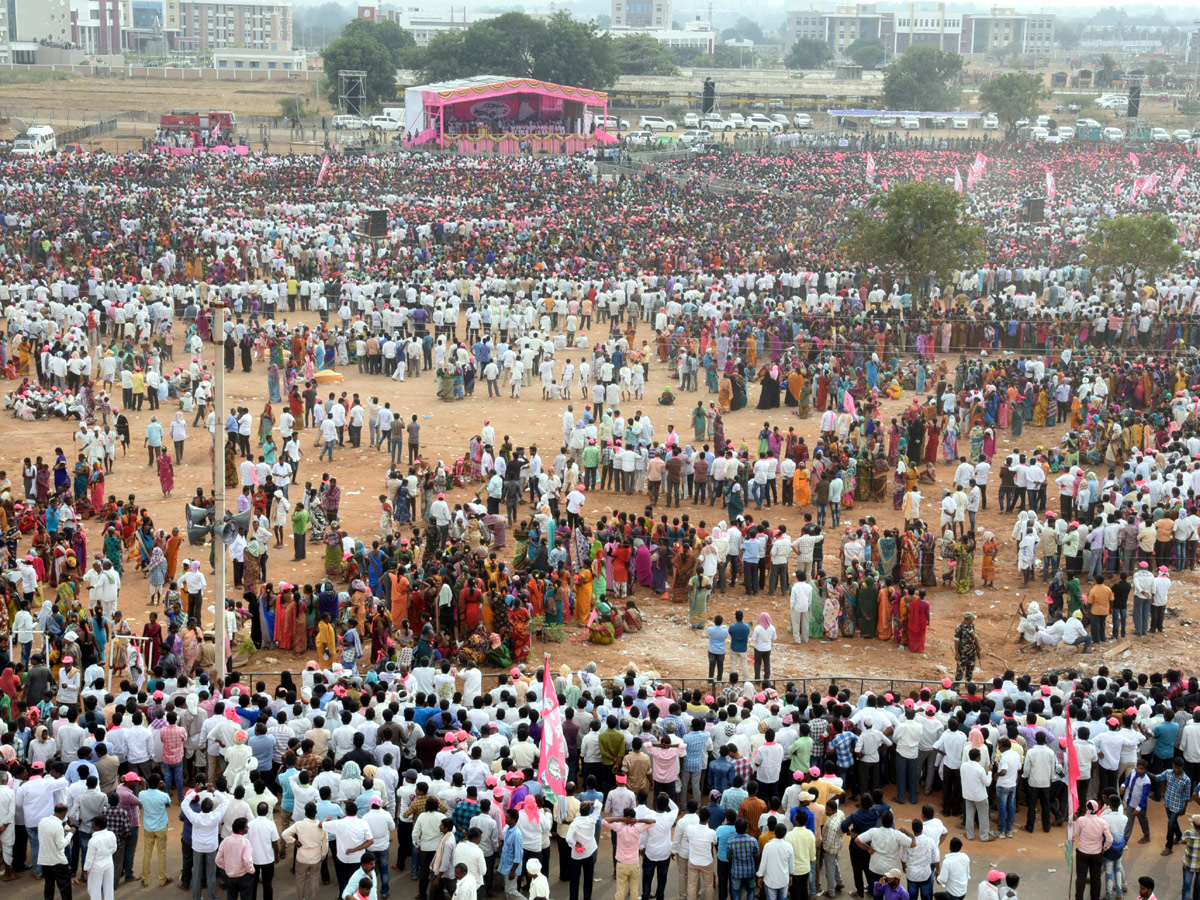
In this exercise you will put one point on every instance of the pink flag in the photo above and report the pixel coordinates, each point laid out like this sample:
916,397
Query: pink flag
958,182
1133,160
1072,771
848,404
1116,191
552,755
980,160
1051,187
870,166
1177,178
971,179
1151,183
885,187
324,170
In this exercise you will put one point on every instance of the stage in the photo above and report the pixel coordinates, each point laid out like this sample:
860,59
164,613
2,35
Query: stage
487,114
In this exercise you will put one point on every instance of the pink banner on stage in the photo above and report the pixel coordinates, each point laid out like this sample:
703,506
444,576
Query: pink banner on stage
239,150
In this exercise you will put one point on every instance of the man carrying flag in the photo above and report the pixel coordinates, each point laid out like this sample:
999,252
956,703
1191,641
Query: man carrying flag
1051,187
870,166
958,182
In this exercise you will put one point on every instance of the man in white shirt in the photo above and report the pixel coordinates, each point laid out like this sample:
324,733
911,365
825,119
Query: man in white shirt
907,738
777,865
975,782
955,872
800,606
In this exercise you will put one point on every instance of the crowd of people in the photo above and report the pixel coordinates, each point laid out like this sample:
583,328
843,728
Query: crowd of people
511,270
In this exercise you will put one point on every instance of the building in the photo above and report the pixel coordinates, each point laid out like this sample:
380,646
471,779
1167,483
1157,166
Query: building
697,35
918,22
39,22
1004,28
96,26
926,25
234,24
841,26
260,60
847,24
642,15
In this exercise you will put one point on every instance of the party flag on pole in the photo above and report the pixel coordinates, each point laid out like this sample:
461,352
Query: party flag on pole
958,182
870,166
1177,178
552,754
324,170
1051,187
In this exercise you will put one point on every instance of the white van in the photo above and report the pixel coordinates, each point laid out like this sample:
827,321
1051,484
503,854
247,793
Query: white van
37,141
348,123
394,112
910,123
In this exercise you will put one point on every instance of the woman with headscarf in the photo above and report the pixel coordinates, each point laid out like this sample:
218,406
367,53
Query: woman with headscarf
154,632
326,641
166,474
831,609
768,397
883,608
285,619
642,565
251,563
990,548
867,605
157,571
190,637
918,621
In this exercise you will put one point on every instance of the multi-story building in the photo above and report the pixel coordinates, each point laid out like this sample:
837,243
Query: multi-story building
1004,28
927,25
241,24
919,22
643,15
39,22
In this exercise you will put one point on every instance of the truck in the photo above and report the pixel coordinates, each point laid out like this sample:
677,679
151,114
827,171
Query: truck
38,140
189,120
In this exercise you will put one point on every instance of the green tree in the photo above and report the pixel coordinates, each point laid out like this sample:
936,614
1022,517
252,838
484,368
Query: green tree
562,50
744,29
922,79
915,230
1126,244
808,53
866,52
1012,96
1157,67
388,33
1107,68
1068,33
640,54
293,107
362,51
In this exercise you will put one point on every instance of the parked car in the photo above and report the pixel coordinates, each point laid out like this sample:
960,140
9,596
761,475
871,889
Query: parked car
691,120
72,149
1043,121
1066,132
1113,134
883,121
696,136
759,122
737,119
1159,135
714,122
635,138
1181,135
990,122
1037,133
612,123
780,118
657,123
960,124
802,120
938,121
384,123
348,123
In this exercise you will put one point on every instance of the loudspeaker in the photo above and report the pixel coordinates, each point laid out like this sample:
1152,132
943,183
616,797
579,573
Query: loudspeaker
233,524
708,96
376,223
1135,101
199,521
1033,210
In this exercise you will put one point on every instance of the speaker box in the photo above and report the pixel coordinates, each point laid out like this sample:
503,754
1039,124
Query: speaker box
376,223
708,96
1034,209
1135,101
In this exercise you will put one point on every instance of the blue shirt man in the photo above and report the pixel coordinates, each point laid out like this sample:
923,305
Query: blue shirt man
739,636
154,808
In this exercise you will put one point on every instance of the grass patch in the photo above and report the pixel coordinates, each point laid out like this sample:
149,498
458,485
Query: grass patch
16,76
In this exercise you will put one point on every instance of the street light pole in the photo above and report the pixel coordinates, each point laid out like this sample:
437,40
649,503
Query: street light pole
219,492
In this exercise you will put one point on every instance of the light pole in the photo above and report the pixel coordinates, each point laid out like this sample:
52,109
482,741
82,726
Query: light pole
219,492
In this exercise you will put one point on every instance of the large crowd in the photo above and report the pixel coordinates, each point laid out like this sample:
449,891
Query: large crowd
542,273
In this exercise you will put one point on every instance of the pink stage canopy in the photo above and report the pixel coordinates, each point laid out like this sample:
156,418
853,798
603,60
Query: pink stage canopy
497,106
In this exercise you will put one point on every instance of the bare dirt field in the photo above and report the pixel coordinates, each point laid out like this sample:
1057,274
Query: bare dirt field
668,644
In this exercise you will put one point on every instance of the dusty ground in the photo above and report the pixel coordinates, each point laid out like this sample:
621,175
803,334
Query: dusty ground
667,644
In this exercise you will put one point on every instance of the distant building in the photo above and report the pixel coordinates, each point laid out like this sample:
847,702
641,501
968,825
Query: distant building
235,24
922,23
643,15
697,35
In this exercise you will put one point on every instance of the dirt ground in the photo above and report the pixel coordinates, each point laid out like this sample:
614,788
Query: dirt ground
667,644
